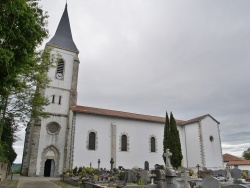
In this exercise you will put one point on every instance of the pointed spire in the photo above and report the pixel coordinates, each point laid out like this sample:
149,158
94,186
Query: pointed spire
63,37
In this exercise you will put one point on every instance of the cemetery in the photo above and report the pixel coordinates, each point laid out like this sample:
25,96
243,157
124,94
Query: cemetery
158,177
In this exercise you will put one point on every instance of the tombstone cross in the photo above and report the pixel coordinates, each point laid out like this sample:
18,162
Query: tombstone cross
186,178
99,163
198,166
111,163
168,154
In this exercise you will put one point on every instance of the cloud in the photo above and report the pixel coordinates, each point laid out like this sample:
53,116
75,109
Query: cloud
189,57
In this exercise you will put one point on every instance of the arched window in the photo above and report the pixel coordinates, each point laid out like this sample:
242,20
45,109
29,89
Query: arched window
152,144
124,143
60,69
92,141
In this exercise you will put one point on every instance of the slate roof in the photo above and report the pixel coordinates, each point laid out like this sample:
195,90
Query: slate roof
196,120
63,37
119,114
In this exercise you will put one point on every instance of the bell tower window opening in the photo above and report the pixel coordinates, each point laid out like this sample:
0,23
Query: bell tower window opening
60,69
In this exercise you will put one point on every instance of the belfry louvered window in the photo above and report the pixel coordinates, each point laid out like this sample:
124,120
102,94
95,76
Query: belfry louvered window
60,69
92,141
124,143
152,144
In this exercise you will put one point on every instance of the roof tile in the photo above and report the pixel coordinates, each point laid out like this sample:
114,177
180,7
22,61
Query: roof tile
120,114
229,158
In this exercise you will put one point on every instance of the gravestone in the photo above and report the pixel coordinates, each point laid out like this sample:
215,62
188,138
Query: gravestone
168,154
115,170
220,173
205,173
236,173
210,182
186,178
170,174
144,176
101,172
120,167
159,167
130,175
146,165
160,175
178,174
235,186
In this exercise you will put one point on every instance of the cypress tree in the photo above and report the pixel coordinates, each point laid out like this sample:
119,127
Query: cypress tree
175,146
166,136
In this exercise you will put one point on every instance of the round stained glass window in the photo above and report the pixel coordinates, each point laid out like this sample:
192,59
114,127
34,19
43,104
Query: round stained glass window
53,128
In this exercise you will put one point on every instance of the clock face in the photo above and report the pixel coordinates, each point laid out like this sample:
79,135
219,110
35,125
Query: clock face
59,76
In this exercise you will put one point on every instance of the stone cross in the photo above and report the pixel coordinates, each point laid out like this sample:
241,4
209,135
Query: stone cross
168,154
186,178
111,163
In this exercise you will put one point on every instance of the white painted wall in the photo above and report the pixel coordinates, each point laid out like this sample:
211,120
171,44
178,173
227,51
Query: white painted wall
244,167
138,138
58,88
139,133
57,140
193,152
62,108
212,150
181,130
68,58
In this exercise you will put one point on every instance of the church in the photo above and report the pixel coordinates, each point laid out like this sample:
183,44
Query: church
75,135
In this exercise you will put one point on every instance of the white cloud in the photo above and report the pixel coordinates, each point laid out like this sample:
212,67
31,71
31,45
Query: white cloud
189,57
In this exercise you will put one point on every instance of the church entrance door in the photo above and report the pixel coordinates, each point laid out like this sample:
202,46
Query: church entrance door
49,168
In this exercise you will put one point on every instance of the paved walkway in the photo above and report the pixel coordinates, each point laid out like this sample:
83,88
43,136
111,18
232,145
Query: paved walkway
37,182
34,182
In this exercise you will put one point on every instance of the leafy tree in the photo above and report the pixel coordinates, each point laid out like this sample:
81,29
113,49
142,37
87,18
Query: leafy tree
7,153
22,68
166,136
246,154
175,146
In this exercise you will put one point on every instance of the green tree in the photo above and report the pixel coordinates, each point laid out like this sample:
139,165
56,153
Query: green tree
7,153
175,146
166,136
22,68
246,154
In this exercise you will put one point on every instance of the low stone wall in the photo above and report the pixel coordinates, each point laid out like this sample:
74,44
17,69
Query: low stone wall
3,171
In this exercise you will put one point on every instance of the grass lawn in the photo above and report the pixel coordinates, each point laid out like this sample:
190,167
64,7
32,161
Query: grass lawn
62,184
9,183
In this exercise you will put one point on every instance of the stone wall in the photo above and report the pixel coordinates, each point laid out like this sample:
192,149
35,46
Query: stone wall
34,150
3,171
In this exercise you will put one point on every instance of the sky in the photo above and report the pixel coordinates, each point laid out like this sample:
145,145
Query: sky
152,56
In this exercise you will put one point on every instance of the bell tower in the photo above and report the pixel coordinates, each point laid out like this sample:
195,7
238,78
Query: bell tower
47,142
